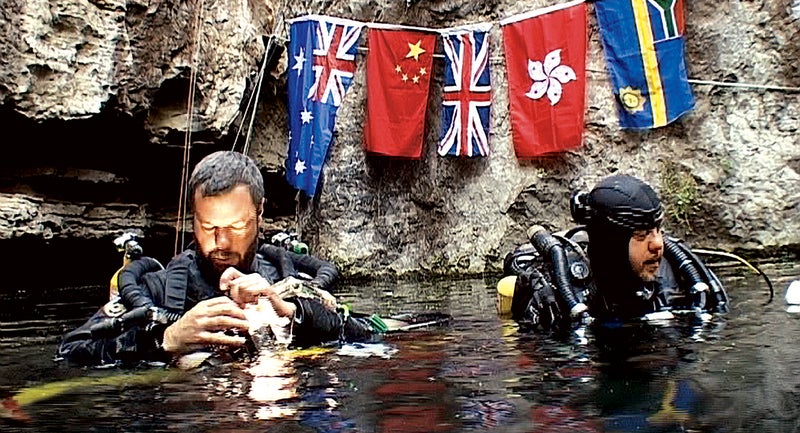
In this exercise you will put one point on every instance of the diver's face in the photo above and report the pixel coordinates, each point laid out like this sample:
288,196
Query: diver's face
226,228
644,252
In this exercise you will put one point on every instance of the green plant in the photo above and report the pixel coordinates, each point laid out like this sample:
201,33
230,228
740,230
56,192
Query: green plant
679,192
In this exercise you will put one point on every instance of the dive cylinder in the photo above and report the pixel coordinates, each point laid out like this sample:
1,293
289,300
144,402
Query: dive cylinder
505,295
547,245
128,244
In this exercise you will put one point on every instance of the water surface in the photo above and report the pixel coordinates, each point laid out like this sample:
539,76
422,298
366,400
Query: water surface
739,372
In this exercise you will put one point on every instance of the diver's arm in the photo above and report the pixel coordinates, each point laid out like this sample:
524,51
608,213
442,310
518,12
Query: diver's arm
314,323
84,346
95,343
79,347
324,274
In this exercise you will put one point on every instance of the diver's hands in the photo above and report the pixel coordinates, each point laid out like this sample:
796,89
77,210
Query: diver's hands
247,288
204,325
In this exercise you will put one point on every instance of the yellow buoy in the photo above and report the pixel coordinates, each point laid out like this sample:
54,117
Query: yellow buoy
505,293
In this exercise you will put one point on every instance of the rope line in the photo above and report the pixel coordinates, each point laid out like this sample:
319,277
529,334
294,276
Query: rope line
180,225
252,102
257,91
701,82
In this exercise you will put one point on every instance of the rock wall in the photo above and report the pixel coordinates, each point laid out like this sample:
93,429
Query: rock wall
82,83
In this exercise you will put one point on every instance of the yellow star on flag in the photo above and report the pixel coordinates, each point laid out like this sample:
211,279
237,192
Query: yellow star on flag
398,69
414,50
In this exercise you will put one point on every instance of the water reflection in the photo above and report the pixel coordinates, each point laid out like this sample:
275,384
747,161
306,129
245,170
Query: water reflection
733,373
274,379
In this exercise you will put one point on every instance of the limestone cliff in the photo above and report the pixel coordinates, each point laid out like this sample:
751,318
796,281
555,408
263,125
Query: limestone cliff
94,100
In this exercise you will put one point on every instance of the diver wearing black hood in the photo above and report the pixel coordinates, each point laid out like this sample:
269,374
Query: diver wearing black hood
623,220
627,269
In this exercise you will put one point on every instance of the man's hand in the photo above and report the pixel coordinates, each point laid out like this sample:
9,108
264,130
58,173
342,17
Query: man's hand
205,324
247,288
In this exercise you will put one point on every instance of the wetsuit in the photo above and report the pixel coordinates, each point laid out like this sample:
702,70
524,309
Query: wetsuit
537,302
567,278
181,285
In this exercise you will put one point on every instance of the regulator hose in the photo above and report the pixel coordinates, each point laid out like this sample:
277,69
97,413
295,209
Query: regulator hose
688,268
750,266
131,293
546,244
716,286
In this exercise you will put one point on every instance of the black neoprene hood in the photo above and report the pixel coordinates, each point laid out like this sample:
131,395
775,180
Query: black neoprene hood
626,202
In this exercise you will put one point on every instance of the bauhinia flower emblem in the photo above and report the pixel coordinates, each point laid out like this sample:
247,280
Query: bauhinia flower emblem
549,77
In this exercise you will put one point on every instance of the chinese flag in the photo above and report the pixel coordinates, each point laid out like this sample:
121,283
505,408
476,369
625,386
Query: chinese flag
546,65
399,66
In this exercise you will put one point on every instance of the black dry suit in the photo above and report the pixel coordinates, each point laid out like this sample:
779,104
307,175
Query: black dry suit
131,329
564,278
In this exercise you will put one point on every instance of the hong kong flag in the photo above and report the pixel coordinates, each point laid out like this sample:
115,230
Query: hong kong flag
546,65
399,66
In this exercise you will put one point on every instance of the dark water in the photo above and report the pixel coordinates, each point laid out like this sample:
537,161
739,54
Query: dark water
737,373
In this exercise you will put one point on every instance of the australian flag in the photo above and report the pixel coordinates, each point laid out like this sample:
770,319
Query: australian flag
322,63
467,92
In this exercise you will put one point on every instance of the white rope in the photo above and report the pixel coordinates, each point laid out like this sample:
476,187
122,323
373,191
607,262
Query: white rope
744,85
244,115
183,198
512,19
725,83
255,104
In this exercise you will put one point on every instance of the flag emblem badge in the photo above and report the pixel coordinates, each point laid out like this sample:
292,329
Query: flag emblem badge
549,78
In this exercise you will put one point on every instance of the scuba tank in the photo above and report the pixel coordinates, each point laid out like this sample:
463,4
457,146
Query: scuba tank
128,244
124,282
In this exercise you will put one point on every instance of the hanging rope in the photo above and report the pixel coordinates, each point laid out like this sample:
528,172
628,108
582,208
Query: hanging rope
180,225
261,74
256,95
252,102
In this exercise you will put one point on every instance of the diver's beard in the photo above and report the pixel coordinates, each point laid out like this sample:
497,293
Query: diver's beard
211,266
649,270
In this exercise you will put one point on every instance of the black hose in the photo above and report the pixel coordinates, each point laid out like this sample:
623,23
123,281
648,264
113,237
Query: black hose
696,271
131,293
138,316
571,232
716,285
687,268
547,244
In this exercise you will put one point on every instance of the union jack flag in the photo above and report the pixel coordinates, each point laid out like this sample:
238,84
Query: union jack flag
467,93
334,61
316,88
